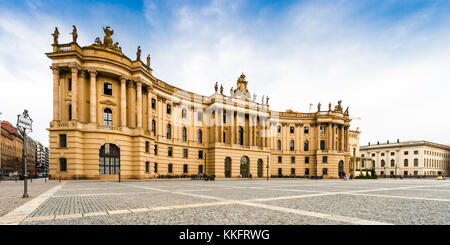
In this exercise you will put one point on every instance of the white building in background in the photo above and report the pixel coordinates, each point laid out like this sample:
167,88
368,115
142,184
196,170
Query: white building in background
408,158
42,156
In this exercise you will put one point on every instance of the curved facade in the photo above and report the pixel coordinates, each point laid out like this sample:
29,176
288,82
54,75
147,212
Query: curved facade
110,113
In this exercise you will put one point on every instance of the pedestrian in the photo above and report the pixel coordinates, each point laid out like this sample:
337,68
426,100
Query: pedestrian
250,175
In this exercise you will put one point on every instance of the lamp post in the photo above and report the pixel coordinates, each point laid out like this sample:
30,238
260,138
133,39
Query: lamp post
24,123
267,168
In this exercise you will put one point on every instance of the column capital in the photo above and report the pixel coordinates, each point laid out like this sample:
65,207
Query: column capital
55,69
92,73
74,69
82,73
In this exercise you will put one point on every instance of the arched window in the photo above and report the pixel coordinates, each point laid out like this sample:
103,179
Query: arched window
405,162
183,113
279,145
278,129
382,163
306,146
322,145
107,117
392,163
241,135
199,136
184,134
70,112
153,126
292,146
169,131
109,159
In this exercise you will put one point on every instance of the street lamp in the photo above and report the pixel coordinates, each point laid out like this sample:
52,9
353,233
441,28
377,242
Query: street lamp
24,123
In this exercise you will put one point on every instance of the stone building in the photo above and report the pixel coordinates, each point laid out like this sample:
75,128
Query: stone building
408,158
12,150
110,112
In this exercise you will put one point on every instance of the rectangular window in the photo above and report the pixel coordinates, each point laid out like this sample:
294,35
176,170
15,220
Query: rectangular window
292,159
293,171
416,162
392,173
306,159
392,153
325,171
406,152
169,109
405,173
147,146
147,167
63,140
292,129
199,115
107,88
373,154
382,154
324,159
185,153
200,154
280,172
170,167
416,173
156,167
153,103
306,171
362,155
185,168
62,165
170,151
200,169
416,152
280,159
156,149
381,173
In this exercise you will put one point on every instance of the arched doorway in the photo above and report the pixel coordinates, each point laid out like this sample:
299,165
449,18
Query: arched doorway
341,169
260,168
109,159
245,166
227,167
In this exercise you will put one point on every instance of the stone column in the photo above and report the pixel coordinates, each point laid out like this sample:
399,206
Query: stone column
342,138
123,102
333,137
93,99
318,136
56,115
346,135
216,126
139,104
255,130
74,71
330,144
232,128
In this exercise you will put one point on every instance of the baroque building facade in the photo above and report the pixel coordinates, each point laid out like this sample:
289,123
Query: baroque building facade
111,114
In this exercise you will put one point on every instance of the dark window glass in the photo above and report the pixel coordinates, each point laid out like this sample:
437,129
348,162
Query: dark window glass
185,153
153,126
392,163
392,153
292,129
224,137
147,146
293,171
63,140
169,131
183,113
322,145
170,151
170,167
199,136
199,115
185,168
292,146
382,154
241,135
382,163
109,159
169,109
280,172
70,112
156,149
292,159
107,117
325,171
156,167
416,162
306,171
306,129
200,169
416,152
324,159
69,84
107,88
62,165
153,103
279,129
184,134
406,162
280,159
224,118
279,145
306,159
406,152
306,146
147,167
200,154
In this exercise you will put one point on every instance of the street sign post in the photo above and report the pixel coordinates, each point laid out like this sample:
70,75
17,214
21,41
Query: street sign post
24,123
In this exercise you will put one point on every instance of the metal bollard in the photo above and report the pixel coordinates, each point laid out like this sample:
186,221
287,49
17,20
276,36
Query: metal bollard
59,179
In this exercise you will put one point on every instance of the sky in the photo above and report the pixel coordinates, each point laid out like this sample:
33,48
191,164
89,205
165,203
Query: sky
389,61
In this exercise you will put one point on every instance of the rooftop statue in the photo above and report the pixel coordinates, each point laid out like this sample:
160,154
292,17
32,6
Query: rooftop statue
216,87
138,53
267,100
318,106
254,96
74,34
338,108
262,100
241,89
231,91
107,40
346,111
148,61
329,106
221,89
55,36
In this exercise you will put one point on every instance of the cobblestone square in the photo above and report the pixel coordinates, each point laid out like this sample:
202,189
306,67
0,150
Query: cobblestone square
235,202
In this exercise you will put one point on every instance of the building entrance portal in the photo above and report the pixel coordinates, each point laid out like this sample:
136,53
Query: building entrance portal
227,167
260,168
109,159
245,163
341,169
